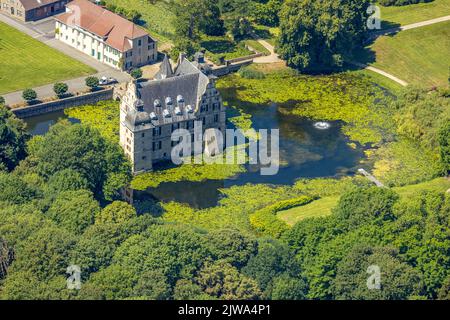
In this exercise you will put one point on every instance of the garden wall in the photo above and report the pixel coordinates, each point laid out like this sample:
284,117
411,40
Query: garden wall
47,107
232,67
245,58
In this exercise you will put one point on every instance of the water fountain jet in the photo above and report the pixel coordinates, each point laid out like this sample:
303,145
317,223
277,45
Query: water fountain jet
321,125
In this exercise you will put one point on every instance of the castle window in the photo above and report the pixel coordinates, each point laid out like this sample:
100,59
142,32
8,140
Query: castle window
216,118
157,145
143,135
157,131
204,121
144,157
175,126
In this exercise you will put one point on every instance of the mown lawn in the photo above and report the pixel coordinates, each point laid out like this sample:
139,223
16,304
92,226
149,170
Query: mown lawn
323,206
415,12
318,208
257,46
26,62
222,46
419,56
156,18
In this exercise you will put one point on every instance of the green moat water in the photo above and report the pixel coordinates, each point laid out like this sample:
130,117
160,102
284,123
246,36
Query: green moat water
305,152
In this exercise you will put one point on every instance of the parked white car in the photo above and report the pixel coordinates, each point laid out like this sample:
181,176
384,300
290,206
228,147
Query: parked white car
104,81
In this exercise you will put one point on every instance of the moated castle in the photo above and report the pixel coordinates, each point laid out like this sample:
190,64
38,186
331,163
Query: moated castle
151,110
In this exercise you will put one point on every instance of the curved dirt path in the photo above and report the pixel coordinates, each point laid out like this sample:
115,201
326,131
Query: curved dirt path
410,26
379,71
272,58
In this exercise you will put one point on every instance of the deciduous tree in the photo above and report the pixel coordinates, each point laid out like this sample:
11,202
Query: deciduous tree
13,138
317,36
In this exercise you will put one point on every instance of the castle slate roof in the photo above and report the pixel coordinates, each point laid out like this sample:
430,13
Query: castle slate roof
165,70
187,82
136,117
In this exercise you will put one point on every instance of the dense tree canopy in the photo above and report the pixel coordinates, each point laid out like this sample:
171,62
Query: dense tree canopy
266,12
221,280
15,190
317,36
74,210
444,146
397,279
116,212
81,149
50,220
13,137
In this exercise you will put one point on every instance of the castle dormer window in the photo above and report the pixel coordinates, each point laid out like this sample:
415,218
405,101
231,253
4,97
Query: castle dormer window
157,103
166,113
168,101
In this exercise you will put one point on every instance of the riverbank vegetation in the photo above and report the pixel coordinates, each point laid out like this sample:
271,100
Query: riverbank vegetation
103,116
186,172
347,97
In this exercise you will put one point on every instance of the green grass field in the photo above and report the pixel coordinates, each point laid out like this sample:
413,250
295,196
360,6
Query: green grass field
157,17
222,46
26,62
318,208
419,56
257,46
415,12
323,206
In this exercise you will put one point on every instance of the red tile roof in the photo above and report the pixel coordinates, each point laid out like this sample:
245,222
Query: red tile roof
101,22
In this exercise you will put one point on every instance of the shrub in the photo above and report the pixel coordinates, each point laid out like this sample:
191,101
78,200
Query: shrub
60,89
136,73
29,95
92,82
2,100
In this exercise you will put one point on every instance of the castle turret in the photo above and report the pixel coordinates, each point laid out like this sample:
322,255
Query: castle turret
165,70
